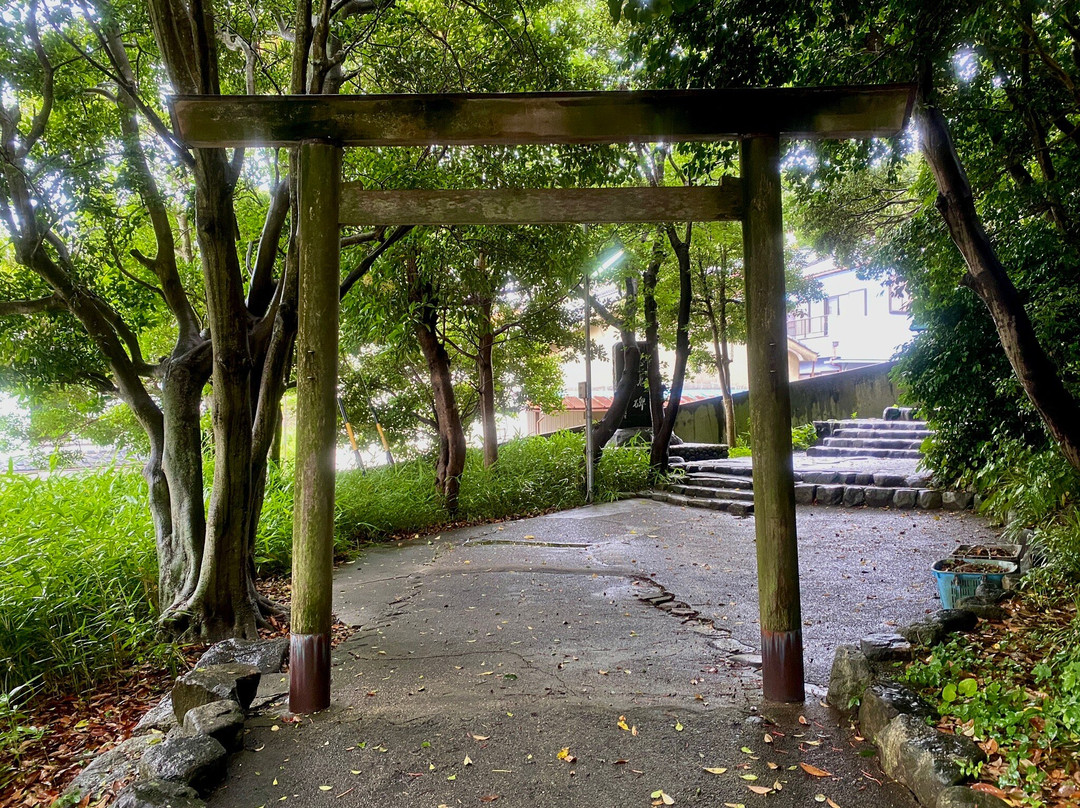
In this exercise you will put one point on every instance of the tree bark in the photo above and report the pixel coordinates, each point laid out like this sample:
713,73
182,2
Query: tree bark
986,276
652,340
718,324
658,456
442,384
485,369
628,381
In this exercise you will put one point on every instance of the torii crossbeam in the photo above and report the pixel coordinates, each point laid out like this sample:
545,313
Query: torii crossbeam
322,125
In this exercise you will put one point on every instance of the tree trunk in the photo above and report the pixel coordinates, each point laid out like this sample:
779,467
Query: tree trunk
628,381
442,384
718,323
221,605
485,370
181,395
652,340
624,392
986,276
658,456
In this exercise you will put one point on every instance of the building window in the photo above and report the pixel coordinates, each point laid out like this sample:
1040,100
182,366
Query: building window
899,299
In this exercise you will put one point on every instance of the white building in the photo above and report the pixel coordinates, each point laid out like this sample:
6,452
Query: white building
859,322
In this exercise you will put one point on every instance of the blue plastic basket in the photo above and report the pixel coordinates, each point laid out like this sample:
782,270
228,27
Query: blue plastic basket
955,586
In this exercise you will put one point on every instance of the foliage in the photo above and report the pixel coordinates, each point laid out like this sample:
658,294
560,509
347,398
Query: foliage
803,437
1019,699
15,731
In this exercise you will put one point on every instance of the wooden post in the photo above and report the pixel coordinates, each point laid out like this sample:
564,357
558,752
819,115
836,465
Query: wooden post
319,181
770,422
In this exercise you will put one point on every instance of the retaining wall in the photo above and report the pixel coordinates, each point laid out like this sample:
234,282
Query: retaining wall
866,391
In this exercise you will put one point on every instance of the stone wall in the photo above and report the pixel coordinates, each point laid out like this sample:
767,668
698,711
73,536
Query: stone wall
866,391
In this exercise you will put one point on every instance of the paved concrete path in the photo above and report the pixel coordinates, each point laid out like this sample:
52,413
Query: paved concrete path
480,654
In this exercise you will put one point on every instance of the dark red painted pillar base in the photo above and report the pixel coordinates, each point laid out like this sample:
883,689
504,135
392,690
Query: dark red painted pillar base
782,666
309,672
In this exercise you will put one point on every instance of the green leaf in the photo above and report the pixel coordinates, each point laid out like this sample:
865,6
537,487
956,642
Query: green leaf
968,687
948,693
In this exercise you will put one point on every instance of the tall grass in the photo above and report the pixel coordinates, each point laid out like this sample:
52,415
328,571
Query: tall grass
78,571
77,576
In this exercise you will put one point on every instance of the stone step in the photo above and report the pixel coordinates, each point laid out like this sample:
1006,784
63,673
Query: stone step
731,506
893,434
873,424
719,468
834,451
871,443
740,495
718,480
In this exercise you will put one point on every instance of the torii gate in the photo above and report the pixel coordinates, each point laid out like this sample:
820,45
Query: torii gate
322,125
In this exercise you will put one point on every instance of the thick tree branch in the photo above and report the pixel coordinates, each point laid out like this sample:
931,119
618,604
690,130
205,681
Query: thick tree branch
369,260
53,302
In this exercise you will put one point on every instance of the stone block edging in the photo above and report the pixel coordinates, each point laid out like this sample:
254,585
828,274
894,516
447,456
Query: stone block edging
932,764
181,746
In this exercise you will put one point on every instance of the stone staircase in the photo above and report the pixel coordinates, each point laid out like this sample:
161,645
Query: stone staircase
729,492
852,479
870,437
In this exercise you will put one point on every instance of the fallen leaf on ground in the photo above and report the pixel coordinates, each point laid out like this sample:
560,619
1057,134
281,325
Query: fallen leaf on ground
987,788
814,770
803,721
489,798
325,788
564,754
748,776
760,789
831,804
479,737
662,798
715,769
468,760
678,726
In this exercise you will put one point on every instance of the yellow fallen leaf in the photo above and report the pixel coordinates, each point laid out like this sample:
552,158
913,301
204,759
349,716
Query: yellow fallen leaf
663,797
468,760
452,777
355,771
734,805
831,804
715,769
820,798
633,730
325,788
814,771
623,724
479,737
772,765
768,738
678,726
760,789
748,776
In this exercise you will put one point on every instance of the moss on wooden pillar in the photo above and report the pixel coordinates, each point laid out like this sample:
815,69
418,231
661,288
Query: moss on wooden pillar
319,184
770,421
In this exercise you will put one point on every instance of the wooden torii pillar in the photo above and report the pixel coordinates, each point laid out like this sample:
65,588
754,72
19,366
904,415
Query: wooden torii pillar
323,125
